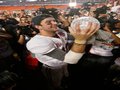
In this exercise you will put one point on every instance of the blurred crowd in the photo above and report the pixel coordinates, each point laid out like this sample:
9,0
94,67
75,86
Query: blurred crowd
16,30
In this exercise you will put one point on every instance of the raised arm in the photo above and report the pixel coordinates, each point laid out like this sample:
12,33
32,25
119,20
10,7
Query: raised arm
81,37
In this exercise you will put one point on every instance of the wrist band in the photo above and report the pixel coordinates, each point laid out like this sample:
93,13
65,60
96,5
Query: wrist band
80,41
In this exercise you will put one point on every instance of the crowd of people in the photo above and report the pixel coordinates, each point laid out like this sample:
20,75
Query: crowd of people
40,50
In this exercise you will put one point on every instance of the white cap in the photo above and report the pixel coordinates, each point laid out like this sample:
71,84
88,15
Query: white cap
115,9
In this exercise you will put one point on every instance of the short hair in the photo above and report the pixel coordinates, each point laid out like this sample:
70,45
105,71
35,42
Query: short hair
37,19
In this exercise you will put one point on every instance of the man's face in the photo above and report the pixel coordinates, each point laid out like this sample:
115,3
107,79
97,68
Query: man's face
49,24
117,25
23,20
2,17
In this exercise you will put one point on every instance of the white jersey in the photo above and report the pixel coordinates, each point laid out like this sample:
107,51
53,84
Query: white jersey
42,45
103,44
